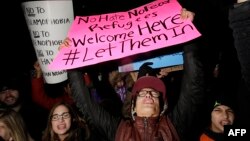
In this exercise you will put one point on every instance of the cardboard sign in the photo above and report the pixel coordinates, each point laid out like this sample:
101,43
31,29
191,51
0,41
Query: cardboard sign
105,37
48,23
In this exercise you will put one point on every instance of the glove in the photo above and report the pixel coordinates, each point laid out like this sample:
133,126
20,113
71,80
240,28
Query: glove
145,69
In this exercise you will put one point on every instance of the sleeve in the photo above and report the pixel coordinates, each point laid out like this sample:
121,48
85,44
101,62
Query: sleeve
192,94
95,114
40,97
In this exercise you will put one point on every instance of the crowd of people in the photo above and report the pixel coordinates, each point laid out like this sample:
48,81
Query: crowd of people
145,106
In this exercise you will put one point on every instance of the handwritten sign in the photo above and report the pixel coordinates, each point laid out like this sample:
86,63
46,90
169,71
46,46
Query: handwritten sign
105,37
48,23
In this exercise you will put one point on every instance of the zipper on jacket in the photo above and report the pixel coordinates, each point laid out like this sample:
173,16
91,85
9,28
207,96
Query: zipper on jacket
145,122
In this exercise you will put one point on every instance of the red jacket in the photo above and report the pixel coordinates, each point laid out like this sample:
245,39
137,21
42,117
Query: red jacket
40,97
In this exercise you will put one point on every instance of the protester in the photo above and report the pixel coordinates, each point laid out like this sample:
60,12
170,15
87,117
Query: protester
12,126
64,124
15,94
223,113
121,82
173,125
40,93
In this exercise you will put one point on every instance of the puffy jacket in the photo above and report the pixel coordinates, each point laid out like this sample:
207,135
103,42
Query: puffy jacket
147,129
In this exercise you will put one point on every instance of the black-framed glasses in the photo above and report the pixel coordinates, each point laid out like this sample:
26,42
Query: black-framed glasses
153,93
64,115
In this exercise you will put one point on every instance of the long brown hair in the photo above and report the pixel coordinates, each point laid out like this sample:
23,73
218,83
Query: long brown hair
14,123
77,130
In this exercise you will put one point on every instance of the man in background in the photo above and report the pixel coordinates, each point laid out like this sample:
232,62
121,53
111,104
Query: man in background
15,94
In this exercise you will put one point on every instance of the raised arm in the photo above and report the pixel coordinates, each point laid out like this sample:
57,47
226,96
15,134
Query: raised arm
102,120
39,94
192,93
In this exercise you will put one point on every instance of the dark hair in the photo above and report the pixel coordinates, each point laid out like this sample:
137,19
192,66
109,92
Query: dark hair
224,97
19,82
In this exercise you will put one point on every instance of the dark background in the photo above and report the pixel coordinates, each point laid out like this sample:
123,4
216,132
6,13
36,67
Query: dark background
17,53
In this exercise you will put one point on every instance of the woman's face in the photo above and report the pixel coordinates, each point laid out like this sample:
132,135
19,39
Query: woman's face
61,121
147,105
5,132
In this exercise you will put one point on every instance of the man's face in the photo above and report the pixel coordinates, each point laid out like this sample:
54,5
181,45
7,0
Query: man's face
220,116
9,97
147,105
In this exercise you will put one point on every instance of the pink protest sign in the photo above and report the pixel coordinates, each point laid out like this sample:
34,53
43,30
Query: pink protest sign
105,37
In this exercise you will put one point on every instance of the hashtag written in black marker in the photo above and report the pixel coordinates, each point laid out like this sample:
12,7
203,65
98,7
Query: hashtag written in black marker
71,56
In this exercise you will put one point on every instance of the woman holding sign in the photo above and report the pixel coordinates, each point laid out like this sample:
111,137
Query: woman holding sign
149,120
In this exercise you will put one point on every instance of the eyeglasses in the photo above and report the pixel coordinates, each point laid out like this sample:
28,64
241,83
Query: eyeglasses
153,93
63,116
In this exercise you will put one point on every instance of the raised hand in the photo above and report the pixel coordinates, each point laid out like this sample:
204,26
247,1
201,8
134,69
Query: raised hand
38,69
185,14
66,43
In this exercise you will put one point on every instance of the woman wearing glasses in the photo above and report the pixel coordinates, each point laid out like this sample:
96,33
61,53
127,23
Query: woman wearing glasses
64,124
